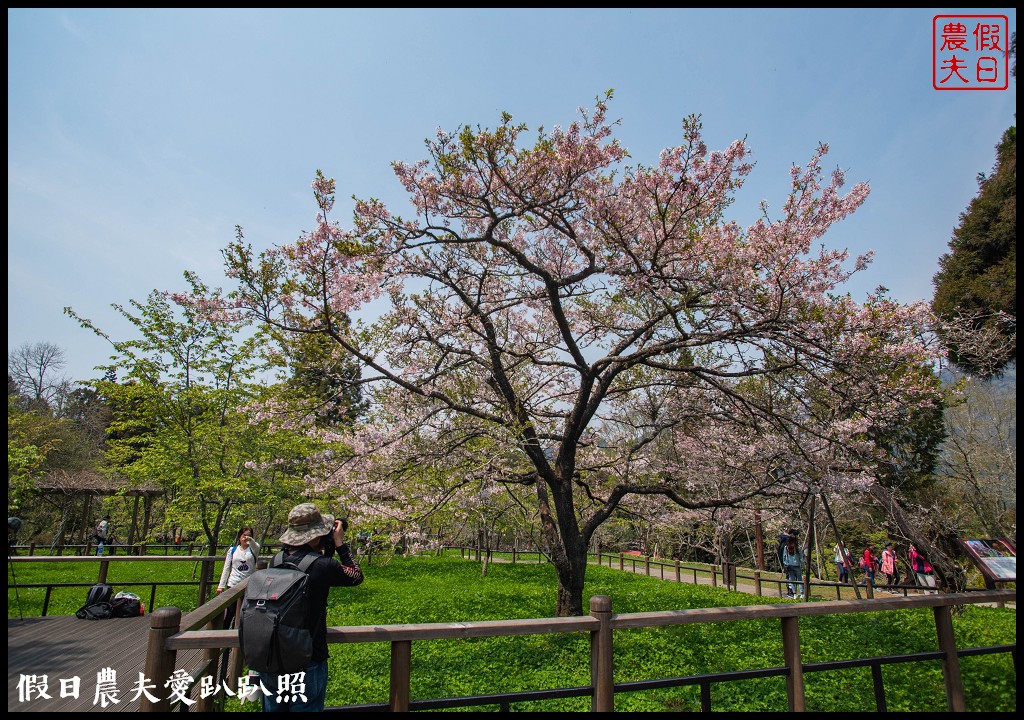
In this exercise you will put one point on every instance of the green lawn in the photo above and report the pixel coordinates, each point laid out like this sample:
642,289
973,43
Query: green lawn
432,589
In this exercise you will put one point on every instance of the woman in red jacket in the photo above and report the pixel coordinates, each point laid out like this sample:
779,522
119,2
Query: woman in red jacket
922,568
869,562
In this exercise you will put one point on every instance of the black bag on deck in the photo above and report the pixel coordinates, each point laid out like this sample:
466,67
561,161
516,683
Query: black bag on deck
97,603
98,593
273,630
125,605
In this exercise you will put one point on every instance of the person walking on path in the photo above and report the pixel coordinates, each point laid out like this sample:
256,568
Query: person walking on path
842,560
869,562
102,533
890,567
922,569
783,539
239,563
792,562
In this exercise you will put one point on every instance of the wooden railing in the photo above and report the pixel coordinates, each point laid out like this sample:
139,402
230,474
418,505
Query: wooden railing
204,584
170,634
139,548
219,661
726,575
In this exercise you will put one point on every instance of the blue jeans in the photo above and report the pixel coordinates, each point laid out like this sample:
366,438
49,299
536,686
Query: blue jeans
313,686
793,580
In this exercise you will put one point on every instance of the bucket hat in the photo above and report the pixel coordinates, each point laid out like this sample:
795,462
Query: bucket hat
306,522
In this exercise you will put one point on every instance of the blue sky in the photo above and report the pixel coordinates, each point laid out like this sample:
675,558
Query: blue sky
138,139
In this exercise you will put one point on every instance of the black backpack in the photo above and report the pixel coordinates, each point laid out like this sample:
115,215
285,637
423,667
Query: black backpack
97,603
273,630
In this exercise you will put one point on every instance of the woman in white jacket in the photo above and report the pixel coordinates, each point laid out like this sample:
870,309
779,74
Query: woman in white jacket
239,563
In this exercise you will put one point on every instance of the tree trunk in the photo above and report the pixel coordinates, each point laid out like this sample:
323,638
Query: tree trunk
570,570
86,518
481,542
568,547
135,521
147,511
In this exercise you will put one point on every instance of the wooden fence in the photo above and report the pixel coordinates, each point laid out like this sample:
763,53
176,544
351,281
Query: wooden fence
726,575
170,634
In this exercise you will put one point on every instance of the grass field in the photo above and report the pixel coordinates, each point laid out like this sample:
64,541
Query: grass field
432,589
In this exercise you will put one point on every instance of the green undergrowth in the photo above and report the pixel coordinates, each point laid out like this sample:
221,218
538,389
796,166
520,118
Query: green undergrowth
440,589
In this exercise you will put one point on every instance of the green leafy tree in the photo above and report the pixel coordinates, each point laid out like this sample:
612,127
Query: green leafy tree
31,437
38,443
323,375
186,414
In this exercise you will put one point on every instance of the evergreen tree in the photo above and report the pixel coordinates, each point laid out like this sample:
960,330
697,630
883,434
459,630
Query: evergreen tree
977,280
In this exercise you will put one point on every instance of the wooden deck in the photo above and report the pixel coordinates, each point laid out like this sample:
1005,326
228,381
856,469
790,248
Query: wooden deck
65,647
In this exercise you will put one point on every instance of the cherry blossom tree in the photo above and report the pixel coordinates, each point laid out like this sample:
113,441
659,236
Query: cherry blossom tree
542,289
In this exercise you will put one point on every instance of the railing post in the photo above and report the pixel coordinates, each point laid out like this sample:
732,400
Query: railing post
879,686
647,565
163,623
622,561
205,575
401,670
104,566
678,577
31,549
869,587
714,576
950,663
235,654
601,676
791,656
757,583
210,655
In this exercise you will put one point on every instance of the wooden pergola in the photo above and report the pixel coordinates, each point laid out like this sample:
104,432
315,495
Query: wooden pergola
85,485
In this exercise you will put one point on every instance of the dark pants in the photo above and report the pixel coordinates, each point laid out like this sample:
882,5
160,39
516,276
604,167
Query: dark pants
296,692
229,615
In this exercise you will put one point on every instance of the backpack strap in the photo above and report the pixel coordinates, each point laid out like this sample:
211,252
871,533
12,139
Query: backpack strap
304,564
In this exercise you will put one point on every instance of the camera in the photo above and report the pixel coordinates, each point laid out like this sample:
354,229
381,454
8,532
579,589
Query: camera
327,544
